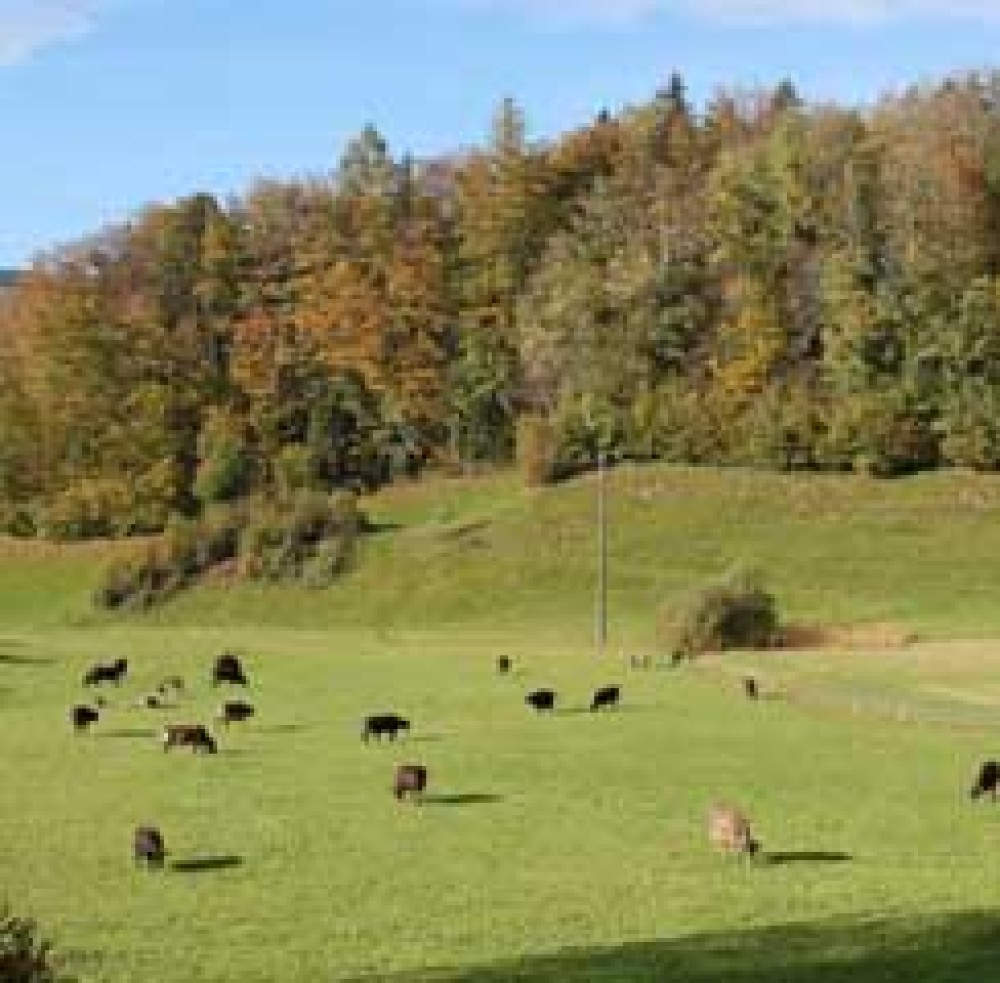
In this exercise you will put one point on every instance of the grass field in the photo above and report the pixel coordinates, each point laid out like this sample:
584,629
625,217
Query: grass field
563,848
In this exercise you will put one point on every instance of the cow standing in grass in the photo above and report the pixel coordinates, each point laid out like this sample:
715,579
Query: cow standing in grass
383,723
99,673
729,830
606,696
234,711
148,847
409,780
194,736
82,716
541,699
228,669
987,780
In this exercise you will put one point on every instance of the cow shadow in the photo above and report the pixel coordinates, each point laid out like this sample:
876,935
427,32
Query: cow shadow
128,732
207,864
16,659
281,728
462,799
779,859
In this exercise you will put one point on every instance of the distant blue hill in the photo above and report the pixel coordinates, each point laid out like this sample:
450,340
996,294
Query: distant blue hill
7,277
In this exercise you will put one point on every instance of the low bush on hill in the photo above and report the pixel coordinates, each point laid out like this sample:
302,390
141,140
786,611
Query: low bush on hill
735,611
26,957
308,538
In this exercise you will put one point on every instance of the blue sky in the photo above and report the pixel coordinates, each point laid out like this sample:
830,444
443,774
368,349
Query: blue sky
109,104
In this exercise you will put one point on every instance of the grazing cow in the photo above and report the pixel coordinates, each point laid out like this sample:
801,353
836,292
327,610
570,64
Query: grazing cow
82,716
233,711
606,696
194,736
228,669
729,830
410,779
154,701
541,699
987,781
105,673
750,689
383,723
147,846
504,664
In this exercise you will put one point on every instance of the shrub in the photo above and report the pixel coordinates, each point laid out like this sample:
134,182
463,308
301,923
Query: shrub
140,583
311,534
25,957
296,468
309,538
88,509
732,612
17,521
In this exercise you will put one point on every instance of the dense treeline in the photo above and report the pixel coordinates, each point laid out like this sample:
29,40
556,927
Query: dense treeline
764,282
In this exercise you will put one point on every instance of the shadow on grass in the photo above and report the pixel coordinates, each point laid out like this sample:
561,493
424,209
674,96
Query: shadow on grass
14,659
806,856
462,799
281,728
202,865
958,948
135,732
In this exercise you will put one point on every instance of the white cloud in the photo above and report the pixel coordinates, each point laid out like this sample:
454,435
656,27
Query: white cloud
754,11
26,26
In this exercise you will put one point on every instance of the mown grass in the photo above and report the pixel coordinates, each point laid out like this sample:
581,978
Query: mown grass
548,844
562,848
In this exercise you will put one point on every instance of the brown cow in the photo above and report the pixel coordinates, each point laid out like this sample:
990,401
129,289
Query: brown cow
410,779
147,846
194,736
729,830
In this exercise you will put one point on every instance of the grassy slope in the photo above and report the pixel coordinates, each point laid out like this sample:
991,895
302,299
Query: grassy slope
489,555
588,863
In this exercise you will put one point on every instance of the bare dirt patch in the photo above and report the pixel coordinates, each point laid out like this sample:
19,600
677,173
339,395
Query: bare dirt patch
878,635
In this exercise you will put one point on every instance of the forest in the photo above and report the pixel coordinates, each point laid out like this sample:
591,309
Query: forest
760,282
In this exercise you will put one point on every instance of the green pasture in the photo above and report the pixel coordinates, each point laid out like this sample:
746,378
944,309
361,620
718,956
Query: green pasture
569,847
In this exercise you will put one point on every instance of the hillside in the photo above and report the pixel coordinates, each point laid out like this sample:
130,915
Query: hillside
488,555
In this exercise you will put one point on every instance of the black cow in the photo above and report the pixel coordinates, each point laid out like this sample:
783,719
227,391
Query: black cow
228,669
504,664
750,688
233,711
606,696
988,780
410,779
541,699
383,723
147,846
82,716
114,672
194,736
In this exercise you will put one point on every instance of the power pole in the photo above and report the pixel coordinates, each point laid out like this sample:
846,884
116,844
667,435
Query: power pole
601,618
